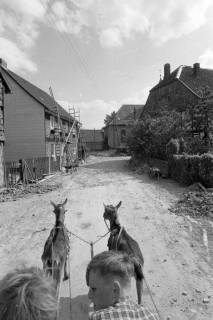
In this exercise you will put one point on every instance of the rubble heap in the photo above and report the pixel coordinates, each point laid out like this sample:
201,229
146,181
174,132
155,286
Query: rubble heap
197,202
21,190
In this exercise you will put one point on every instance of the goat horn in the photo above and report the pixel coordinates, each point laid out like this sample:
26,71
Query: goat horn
118,205
64,202
53,204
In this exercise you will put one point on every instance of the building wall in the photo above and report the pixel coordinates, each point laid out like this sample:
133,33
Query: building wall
1,134
172,96
56,147
24,125
1,164
93,139
114,134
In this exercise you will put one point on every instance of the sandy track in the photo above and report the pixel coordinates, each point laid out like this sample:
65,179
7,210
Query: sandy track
175,268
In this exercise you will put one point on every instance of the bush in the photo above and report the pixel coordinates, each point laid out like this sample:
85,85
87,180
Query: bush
188,169
182,145
206,169
151,135
172,147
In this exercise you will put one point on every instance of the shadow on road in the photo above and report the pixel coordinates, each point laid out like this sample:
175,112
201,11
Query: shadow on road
121,165
79,306
115,165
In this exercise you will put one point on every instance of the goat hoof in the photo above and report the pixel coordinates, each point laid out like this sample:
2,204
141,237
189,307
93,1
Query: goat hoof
66,277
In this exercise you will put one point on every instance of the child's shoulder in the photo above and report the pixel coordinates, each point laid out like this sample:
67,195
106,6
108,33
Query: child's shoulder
103,314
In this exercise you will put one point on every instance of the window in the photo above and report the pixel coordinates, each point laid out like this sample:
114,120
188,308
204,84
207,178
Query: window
51,122
52,150
123,135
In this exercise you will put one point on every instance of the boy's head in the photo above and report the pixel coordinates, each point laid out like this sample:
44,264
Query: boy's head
108,277
27,293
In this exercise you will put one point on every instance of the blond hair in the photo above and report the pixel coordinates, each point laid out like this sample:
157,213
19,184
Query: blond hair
111,263
27,294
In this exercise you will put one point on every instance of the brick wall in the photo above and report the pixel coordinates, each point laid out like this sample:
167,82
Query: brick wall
172,96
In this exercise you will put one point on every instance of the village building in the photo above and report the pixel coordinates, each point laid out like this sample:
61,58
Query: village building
92,139
35,125
4,89
179,89
119,128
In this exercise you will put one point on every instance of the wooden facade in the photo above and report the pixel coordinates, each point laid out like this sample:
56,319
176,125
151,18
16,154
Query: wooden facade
31,126
4,89
24,125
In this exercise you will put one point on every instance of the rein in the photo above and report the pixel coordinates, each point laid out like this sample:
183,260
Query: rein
116,246
121,229
107,225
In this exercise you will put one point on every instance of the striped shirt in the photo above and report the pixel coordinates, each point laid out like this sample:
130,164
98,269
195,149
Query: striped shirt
124,310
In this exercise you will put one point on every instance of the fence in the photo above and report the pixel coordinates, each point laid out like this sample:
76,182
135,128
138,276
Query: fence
26,170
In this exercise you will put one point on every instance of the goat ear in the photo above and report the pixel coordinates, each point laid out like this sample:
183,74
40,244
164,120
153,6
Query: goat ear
53,204
118,205
64,202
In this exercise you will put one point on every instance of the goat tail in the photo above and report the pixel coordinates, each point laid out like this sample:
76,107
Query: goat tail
139,276
138,269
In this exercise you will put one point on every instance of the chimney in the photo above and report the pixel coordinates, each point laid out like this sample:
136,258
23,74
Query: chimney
3,63
196,68
166,70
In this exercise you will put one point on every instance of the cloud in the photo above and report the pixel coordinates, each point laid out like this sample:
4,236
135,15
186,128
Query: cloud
111,37
92,113
34,8
66,17
15,58
139,97
19,29
116,21
206,59
112,21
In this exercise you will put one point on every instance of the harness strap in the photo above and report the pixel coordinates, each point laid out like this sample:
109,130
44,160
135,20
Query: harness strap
116,246
106,225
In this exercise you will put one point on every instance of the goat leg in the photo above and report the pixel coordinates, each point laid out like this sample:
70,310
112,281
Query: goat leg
66,276
139,287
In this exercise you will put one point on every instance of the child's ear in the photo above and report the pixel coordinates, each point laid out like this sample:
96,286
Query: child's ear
116,291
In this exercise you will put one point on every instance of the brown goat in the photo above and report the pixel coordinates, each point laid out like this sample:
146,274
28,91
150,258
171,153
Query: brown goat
56,248
120,240
154,172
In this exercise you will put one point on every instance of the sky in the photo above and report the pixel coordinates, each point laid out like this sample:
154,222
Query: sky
99,54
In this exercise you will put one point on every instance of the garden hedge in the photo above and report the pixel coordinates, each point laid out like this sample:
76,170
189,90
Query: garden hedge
188,169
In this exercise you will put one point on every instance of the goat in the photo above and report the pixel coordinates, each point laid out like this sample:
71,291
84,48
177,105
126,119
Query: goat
154,172
120,240
56,248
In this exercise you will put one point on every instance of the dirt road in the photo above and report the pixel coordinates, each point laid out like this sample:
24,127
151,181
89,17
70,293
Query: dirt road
178,268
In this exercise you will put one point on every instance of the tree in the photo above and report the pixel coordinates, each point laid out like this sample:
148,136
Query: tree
109,117
150,137
202,117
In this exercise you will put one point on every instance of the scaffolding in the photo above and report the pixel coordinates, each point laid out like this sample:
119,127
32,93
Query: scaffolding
71,144
67,142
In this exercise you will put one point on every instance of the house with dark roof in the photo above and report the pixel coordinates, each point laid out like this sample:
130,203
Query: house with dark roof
119,128
4,89
179,88
35,125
